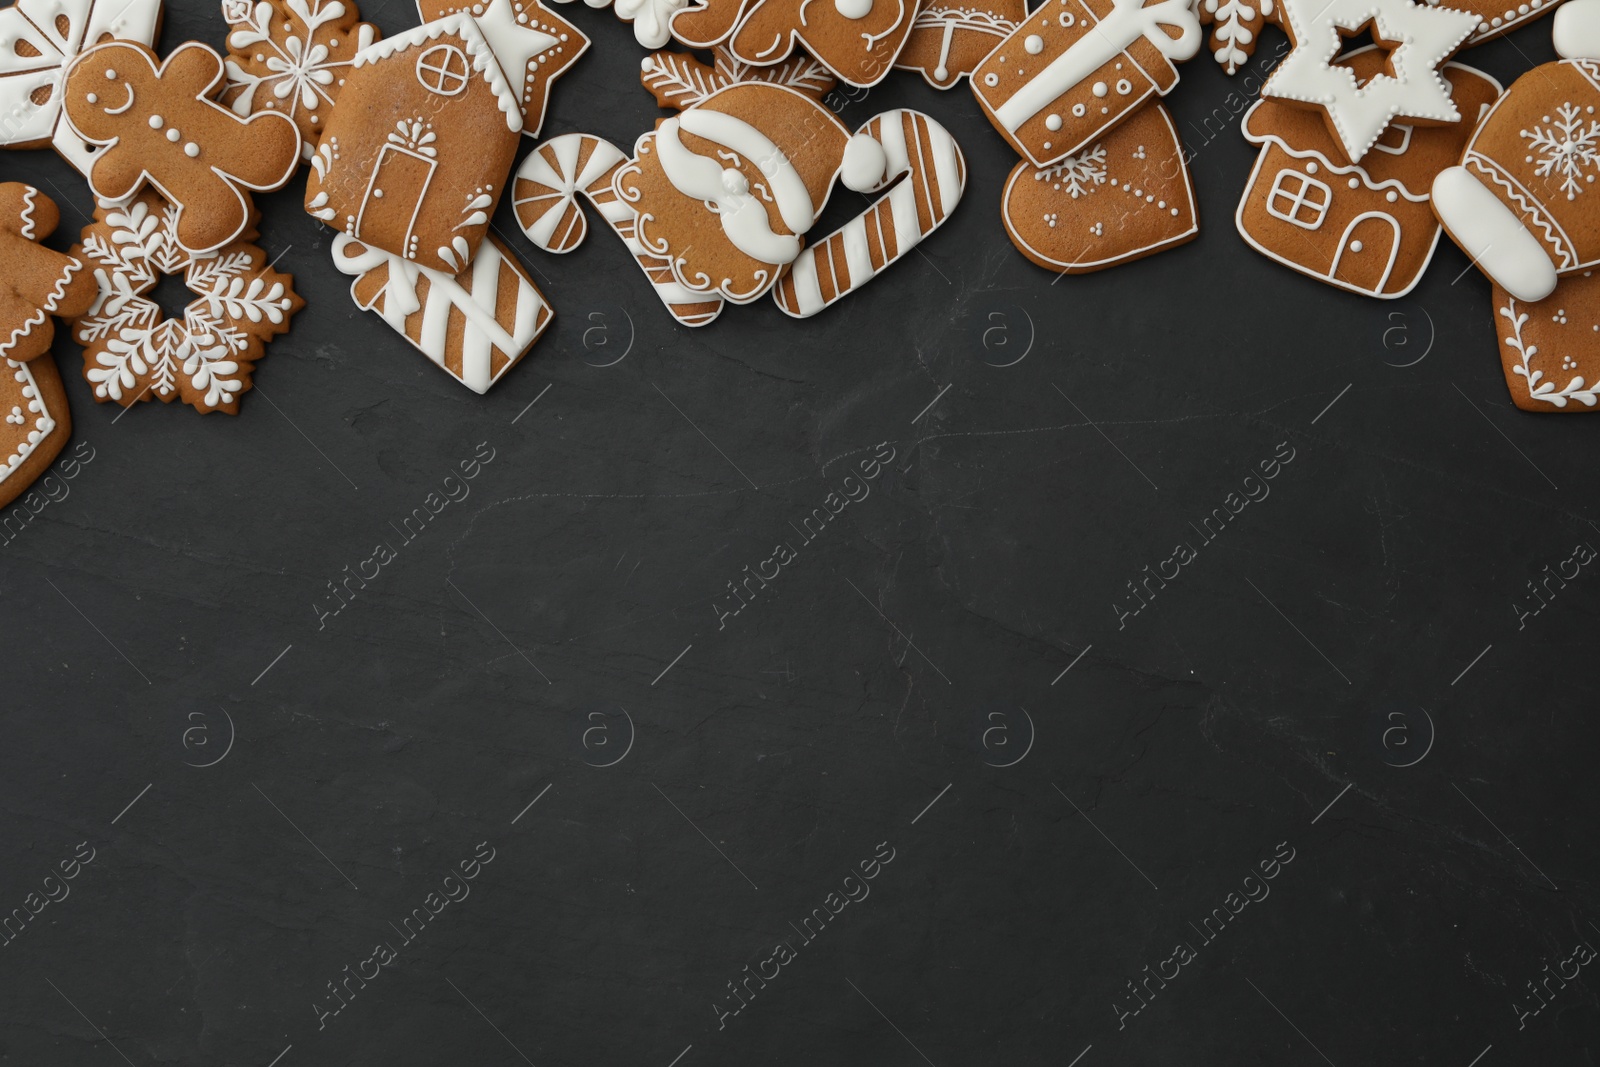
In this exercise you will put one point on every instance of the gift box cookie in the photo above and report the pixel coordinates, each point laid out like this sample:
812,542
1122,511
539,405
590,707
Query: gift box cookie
1076,68
1367,227
416,155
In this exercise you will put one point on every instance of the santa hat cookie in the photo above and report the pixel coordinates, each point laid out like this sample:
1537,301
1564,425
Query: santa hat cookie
726,191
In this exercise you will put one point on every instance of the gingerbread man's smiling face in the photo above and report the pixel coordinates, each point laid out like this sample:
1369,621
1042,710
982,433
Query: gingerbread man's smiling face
103,89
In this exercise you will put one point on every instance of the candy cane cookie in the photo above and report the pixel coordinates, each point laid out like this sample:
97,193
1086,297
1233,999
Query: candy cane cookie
545,198
933,174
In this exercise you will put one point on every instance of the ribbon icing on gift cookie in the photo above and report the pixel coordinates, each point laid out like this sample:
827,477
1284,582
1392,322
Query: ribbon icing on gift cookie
1415,40
930,173
545,198
414,160
651,19
949,39
1076,68
1522,202
531,43
476,325
160,126
1124,197
726,190
678,80
1368,227
291,56
133,352
1550,348
38,40
858,40
39,282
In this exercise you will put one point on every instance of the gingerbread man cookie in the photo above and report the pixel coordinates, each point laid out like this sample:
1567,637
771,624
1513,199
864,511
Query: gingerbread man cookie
160,127
858,40
40,39
292,56
38,281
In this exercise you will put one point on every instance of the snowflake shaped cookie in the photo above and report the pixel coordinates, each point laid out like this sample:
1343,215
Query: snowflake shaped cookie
1419,39
133,352
291,56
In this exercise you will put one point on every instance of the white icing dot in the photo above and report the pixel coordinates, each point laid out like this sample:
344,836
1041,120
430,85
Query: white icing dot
1355,246
941,72
191,150
647,64
991,79
111,75
1174,211
173,135
1391,196
1078,110
1099,89
1052,123
92,98
1034,44
1161,203
1355,183
156,122
377,194
1124,86
1311,168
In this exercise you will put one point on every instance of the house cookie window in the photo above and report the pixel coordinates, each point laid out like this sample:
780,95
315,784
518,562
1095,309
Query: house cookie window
443,69
1299,198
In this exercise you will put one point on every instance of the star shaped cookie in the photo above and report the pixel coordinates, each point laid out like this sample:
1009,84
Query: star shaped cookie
1417,38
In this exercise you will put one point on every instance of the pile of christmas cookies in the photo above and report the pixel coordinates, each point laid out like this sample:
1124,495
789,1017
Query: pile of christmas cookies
408,144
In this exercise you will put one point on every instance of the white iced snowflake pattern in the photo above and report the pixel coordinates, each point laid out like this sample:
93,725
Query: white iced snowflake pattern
1077,175
1567,148
208,353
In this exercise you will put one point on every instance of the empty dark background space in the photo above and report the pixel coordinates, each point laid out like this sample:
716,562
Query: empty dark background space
566,616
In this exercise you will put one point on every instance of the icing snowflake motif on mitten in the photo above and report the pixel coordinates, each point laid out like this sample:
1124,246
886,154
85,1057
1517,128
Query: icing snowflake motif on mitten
132,352
159,125
38,40
291,56
38,282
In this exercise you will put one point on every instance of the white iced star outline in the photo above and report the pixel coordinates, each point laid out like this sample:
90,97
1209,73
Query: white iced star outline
1427,37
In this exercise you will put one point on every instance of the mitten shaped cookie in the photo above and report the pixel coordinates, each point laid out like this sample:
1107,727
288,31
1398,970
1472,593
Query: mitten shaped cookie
38,282
160,126
1523,202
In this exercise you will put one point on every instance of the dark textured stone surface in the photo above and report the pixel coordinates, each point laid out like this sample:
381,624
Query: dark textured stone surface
1174,756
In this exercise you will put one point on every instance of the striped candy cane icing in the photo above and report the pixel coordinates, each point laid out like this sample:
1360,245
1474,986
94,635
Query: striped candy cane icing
935,175
545,197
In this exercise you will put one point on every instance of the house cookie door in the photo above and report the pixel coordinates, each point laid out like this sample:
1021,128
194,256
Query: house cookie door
394,198
1367,252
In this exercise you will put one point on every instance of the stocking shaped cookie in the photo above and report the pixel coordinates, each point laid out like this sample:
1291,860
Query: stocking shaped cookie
1521,203
38,282
1124,197
1076,68
950,37
1550,348
726,191
160,126
1365,227
857,40
41,37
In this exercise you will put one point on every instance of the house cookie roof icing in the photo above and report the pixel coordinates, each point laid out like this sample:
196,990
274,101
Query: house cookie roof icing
459,25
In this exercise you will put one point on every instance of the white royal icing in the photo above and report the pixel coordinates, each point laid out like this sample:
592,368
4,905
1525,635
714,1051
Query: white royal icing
1575,30
38,25
480,57
1492,235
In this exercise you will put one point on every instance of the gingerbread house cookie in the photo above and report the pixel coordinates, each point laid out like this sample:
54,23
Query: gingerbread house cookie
415,158
1367,227
533,45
